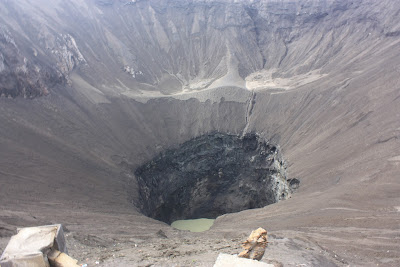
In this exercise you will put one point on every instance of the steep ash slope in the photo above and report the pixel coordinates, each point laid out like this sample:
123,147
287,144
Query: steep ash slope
123,47
126,80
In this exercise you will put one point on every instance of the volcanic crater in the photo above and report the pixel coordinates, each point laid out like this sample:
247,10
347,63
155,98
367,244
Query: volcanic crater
118,117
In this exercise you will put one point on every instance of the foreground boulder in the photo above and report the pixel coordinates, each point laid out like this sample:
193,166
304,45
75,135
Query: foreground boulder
41,246
254,246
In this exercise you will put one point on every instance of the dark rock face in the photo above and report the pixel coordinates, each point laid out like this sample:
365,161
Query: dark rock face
30,68
20,76
212,175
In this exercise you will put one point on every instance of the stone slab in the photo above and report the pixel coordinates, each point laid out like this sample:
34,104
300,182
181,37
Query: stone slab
226,260
28,246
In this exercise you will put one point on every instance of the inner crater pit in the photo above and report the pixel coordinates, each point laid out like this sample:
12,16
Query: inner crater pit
211,175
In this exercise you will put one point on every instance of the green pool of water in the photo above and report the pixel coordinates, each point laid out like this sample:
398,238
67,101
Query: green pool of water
195,225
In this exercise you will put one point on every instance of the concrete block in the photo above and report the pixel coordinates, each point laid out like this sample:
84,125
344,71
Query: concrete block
226,260
29,247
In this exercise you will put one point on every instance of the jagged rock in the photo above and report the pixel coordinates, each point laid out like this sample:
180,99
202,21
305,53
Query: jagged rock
254,246
161,234
67,53
294,183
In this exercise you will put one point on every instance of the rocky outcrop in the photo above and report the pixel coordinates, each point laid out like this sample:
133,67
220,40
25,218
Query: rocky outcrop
66,53
20,76
30,71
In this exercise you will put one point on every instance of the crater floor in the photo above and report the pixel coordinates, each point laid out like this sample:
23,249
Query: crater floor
212,175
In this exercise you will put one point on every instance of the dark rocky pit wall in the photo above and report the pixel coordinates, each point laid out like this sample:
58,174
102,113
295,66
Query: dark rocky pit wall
211,175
